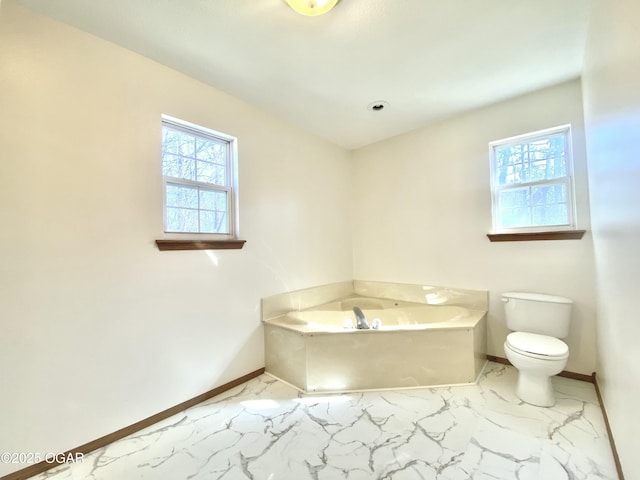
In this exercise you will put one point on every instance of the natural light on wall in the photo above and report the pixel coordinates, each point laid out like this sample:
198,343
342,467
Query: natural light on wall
312,7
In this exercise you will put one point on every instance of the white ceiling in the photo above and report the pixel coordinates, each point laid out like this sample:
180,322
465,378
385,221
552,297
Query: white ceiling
428,59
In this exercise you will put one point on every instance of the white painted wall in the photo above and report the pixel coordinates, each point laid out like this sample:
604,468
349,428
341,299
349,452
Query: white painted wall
99,329
422,210
612,112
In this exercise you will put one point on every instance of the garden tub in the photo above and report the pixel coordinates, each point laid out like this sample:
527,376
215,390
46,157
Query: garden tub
417,345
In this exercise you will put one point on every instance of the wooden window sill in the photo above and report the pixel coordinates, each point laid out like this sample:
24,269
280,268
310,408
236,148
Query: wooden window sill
525,237
164,245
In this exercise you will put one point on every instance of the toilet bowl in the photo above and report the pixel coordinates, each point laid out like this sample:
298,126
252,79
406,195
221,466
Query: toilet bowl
537,358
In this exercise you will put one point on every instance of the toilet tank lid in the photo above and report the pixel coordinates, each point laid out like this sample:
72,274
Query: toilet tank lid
536,297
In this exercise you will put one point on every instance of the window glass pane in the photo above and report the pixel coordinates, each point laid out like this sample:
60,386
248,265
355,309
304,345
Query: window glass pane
212,173
550,205
548,158
178,167
187,145
211,151
515,217
542,205
533,161
557,157
548,194
178,142
213,200
182,220
551,215
213,222
514,207
170,141
514,170
181,196
506,158
516,197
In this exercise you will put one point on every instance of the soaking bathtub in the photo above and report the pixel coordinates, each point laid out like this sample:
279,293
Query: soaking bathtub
417,345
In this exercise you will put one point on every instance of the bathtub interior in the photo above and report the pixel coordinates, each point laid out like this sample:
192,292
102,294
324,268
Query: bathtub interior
365,303
392,314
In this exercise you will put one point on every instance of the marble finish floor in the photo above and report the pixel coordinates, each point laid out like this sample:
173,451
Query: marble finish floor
266,430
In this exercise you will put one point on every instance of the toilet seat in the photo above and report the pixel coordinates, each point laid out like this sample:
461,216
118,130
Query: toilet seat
537,346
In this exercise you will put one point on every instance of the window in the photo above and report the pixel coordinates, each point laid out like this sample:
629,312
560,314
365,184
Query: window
198,167
532,182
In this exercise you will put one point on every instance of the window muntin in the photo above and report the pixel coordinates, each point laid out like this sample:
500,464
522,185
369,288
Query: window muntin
532,182
199,179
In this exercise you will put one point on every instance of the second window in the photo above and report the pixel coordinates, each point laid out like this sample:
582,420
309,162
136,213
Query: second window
198,172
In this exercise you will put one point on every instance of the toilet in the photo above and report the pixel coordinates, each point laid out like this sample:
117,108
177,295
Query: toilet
538,322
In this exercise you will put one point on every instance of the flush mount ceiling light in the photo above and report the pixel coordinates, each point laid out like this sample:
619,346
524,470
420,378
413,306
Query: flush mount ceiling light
311,8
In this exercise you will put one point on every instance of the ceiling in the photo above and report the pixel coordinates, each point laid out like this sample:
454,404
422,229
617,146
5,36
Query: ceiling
429,59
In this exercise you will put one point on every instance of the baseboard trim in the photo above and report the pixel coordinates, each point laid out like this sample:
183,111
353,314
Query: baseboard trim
576,376
616,458
37,468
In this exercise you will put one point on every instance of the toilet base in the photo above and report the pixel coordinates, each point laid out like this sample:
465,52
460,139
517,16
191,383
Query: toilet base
534,377
535,389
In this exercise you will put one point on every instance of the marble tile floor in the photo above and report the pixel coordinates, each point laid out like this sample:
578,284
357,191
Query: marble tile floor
266,430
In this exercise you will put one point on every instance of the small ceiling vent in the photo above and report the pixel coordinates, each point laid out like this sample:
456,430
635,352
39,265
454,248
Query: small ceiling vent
377,106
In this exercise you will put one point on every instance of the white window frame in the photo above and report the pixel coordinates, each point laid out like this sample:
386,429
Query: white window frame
567,180
231,187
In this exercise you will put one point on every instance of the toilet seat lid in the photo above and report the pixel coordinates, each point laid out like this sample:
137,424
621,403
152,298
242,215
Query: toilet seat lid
538,345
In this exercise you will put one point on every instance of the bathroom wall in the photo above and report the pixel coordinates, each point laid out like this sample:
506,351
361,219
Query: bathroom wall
422,209
612,114
98,328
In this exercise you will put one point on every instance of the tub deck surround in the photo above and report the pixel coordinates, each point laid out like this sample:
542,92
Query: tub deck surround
429,336
283,303
427,294
266,429
280,304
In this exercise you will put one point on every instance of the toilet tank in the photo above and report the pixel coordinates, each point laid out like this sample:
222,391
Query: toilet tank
537,313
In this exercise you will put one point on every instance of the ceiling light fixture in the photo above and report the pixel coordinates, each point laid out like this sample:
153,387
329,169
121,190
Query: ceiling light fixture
312,8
